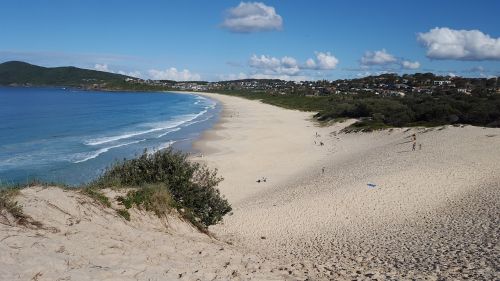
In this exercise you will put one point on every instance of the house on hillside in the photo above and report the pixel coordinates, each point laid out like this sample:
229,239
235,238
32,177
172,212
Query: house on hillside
464,91
441,82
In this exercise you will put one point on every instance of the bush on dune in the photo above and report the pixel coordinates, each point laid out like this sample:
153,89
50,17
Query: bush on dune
7,203
11,212
166,179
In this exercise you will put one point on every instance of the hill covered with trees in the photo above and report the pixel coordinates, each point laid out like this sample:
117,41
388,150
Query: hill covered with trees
22,73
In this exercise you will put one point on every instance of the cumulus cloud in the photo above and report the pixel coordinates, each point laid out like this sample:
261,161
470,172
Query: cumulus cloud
135,74
310,63
445,43
271,65
102,67
252,17
173,74
324,61
410,64
289,66
386,60
377,58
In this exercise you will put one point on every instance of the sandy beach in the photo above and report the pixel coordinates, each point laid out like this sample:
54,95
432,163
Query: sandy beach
430,213
309,203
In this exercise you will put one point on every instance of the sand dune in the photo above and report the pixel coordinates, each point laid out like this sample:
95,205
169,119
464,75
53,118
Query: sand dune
432,213
81,240
363,206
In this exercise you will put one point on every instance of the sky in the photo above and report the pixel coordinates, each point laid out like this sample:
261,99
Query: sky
226,40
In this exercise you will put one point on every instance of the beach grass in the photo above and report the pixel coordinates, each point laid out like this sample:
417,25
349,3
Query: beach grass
97,195
8,203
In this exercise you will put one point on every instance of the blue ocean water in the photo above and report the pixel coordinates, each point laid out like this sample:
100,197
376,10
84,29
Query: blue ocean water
70,136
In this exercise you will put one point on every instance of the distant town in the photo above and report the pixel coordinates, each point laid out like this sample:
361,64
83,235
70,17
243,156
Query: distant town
383,85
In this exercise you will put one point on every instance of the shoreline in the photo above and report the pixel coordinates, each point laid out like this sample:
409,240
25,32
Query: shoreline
80,165
276,142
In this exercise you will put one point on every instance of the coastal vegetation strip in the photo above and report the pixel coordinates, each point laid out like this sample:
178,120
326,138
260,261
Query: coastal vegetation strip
378,112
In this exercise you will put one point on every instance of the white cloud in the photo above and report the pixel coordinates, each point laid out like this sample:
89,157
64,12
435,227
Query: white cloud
310,63
377,58
288,66
386,60
135,74
102,67
173,74
324,61
410,65
264,62
252,17
445,43
271,65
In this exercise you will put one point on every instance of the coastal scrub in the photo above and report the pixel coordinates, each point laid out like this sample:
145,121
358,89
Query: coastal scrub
164,180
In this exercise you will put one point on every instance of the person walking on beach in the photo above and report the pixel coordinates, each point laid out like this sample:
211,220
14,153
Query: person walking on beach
414,145
323,170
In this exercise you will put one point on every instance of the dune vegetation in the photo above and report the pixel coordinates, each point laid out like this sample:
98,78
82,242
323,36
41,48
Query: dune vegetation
163,181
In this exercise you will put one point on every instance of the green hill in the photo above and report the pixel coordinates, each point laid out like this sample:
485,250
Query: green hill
21,73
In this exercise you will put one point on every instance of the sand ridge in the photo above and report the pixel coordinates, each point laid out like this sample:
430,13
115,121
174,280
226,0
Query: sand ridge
82,240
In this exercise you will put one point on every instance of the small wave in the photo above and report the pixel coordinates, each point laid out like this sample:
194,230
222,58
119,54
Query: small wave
161,147
155,128
91,155
168,132
198,121
99,141
208,102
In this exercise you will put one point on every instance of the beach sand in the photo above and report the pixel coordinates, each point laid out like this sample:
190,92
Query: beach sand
363,206
433,213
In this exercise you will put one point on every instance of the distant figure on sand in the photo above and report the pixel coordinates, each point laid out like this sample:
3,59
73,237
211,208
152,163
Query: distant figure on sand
323,170
414,145
419,146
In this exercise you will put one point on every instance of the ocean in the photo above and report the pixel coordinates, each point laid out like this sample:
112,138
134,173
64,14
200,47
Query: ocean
70,136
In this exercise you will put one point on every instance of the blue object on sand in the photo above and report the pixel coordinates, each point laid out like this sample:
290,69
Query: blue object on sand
371,185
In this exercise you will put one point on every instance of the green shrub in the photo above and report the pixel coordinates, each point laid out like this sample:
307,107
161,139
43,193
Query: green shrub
192,186
123,213
97,195
8,204
154,198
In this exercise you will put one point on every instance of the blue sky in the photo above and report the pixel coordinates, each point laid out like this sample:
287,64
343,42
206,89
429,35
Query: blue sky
295,40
